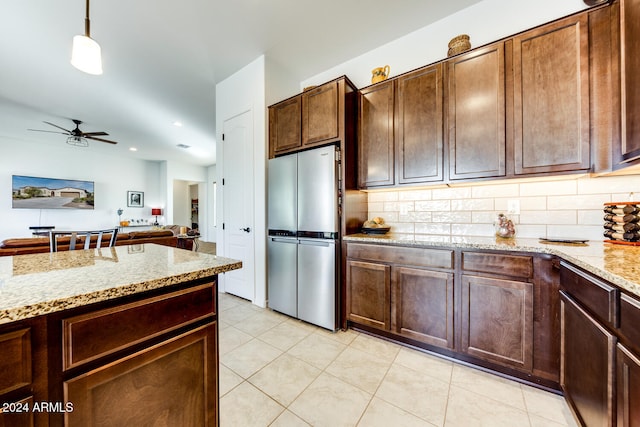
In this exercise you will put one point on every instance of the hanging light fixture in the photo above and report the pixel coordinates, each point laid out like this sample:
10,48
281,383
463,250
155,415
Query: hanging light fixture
86,55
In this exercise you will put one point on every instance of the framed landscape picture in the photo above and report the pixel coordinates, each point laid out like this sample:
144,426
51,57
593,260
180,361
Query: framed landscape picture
30,192
135,199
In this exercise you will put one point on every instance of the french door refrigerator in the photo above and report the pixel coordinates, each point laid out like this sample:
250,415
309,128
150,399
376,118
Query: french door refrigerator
303,224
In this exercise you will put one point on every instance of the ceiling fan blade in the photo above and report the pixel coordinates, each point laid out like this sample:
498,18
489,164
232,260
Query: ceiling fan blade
100,139
86,134
48,131
59,127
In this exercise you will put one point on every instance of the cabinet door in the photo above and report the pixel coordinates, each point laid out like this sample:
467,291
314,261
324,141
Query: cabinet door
113,396
375,148
477,114
586,372
630,63
369,294
551,97
628,387
320,114
423,305
497,321
285,131
419,142
18,414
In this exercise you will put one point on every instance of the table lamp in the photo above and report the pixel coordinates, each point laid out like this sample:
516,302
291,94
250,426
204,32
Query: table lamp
156,212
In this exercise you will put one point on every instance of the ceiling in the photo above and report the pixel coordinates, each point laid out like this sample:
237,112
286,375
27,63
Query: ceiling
162,60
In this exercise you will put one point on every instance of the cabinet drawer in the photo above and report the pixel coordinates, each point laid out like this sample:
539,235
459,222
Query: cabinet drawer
600,298
89,336
418,257
15,362
629,321
504,265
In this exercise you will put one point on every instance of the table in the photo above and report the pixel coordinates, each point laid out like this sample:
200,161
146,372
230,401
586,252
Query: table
184,238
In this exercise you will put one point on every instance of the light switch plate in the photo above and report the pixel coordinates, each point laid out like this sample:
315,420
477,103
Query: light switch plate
513,207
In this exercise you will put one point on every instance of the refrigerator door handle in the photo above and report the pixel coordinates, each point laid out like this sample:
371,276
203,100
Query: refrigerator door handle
316,242
283,240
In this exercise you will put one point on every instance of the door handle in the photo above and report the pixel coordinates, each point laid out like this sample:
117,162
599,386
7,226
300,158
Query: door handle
246,229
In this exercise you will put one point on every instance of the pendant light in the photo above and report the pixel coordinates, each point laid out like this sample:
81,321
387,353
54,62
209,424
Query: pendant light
86,55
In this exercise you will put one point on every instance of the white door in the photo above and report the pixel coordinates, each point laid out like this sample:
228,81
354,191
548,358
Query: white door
238,193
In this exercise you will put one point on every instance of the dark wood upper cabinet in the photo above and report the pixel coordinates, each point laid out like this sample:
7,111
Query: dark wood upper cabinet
476,119
419,126
320,113
630,79
375,154
285,129
551,97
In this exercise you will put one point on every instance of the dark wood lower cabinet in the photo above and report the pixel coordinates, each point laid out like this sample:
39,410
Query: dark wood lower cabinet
628,387
497,320
17,413
423,305
369,294
168,384
587,366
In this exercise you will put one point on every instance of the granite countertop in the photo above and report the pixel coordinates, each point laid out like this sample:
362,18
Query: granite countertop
32,285
619,264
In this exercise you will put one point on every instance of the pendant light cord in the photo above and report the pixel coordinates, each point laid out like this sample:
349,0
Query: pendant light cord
87,24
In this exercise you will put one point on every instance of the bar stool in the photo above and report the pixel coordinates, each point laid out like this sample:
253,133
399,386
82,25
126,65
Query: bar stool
74,236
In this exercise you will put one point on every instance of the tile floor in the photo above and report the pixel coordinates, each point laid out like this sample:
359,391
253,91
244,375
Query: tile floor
277,371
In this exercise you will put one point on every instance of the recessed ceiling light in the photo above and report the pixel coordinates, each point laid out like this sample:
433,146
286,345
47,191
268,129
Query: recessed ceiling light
177,123
133,149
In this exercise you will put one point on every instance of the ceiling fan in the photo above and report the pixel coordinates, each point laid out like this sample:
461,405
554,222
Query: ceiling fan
76,136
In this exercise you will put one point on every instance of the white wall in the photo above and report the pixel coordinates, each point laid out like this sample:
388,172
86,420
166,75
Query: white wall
172,171
484,22
113,177
211,198
245,91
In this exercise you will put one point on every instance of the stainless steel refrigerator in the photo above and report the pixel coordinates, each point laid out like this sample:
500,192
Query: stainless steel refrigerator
303,224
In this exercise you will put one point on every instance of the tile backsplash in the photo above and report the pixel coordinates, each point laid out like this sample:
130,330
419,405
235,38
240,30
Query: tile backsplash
552,208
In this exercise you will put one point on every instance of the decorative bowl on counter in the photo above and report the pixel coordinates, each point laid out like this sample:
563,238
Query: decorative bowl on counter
376,230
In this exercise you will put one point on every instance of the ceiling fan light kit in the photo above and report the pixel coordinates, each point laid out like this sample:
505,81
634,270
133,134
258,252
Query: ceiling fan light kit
77,141
86,54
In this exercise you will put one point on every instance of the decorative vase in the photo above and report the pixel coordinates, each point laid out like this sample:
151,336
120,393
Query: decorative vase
379,74
504,227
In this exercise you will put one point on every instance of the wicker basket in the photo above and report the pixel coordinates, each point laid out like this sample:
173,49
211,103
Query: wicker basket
459,44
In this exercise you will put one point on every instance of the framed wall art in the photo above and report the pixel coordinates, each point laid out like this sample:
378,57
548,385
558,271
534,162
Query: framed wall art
135,199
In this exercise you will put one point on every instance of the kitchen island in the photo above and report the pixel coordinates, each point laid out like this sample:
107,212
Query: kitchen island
113,336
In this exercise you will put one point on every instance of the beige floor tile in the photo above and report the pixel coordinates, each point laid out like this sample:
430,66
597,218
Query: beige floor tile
285,378
231,338
537,421
419,394
288,419
236,314
466,408
317,350
382,349
249,358
425,363
226,302
228,380
330,402
547,405
258,324
344,337
284,336
488,385
382,414
360,369
247,406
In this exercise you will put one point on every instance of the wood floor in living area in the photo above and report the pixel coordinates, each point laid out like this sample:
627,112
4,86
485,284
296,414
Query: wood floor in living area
278,371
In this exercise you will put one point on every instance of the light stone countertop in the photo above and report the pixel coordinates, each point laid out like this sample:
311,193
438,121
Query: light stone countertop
31,285
619,264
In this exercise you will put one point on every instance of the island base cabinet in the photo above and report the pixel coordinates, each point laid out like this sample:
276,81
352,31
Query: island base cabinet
173,383
628,387
422,306
18,414
587,370
497,321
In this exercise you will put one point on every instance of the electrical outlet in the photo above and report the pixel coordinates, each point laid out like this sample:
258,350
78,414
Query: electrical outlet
513,207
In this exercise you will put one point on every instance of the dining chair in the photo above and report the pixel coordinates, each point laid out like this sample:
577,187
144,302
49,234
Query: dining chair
76,236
